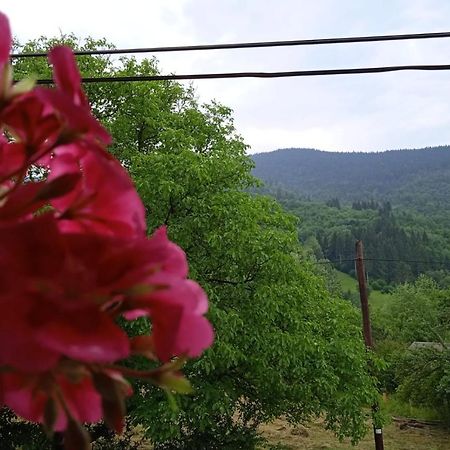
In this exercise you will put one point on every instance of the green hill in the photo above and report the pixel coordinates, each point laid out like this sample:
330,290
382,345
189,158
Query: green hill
397,202
418,179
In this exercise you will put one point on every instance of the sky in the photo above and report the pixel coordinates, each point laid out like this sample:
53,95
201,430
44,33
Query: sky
371,112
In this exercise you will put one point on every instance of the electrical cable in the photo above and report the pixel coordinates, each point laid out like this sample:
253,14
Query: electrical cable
295,73
241,45
333,261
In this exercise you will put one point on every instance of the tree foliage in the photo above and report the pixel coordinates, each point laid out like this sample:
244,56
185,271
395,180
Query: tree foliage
417,312
425,380
399,244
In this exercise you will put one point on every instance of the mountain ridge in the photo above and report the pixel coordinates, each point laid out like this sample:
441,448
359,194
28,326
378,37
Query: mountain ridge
417,178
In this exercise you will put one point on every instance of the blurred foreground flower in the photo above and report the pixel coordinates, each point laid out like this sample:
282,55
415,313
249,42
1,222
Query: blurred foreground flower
75,260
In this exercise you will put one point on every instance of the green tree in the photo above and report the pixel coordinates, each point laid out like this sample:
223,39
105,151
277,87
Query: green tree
425,380
417,312
284,345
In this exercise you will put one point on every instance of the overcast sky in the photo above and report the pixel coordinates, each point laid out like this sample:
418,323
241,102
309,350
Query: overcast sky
344,113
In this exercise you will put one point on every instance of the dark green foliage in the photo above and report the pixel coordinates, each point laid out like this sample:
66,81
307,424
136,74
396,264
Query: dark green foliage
425,380
399,206
16,433
416,312
371,204
334,203
409,178
225,434
391,353
388,236
104,439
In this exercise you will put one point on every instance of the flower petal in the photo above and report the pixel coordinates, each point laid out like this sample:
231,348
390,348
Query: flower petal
5,40
66,74
84,334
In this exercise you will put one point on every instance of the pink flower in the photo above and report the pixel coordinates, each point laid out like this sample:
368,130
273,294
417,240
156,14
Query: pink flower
33,125
24,199
74,259
179,325
20,349
7,90
148,277
58,301
12,158
67,299
5,41
177,308
104,200
66,75
28,395
5,45
68,100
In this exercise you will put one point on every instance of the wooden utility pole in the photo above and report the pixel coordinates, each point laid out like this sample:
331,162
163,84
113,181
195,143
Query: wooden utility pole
367,331
360,273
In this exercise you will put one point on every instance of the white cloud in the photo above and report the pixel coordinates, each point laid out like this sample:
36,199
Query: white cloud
367,112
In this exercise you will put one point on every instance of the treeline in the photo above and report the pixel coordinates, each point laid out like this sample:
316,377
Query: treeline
371,204
399,244
364,204
390,249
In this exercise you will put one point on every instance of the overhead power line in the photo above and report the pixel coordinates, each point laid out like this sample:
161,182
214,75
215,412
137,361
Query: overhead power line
242,45
294,73
412,261
417,261
333,261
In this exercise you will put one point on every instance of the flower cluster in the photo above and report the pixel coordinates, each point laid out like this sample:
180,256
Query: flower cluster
75,260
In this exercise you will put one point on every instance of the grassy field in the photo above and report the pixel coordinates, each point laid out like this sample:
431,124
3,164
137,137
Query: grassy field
376,298
348,283
313,436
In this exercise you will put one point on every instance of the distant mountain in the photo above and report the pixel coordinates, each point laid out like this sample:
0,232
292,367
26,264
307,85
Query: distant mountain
414,178
397,202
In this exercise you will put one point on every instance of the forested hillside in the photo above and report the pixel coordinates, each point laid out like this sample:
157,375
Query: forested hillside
397,202
419,179
399,245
